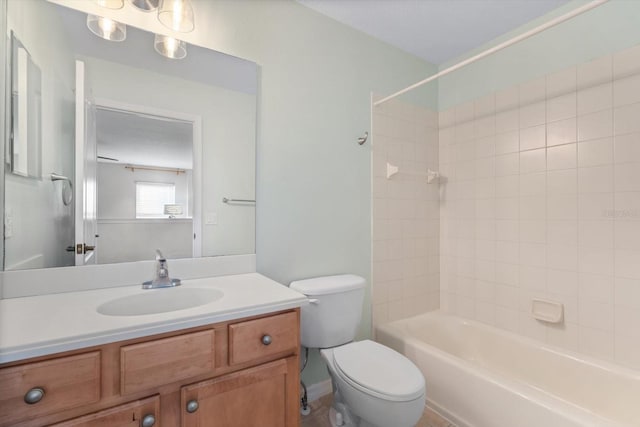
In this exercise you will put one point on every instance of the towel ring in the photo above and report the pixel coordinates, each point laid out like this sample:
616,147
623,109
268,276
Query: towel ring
67,188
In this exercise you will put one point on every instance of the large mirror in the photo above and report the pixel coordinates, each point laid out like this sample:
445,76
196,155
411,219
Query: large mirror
115,150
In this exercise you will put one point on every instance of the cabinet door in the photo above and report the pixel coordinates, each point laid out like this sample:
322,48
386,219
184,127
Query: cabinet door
263,396
141,413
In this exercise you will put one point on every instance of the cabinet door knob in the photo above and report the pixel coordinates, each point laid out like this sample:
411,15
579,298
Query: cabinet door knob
148,421
34,395
266,339
192,406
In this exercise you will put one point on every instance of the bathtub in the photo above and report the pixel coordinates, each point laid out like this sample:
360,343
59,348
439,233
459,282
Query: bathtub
480,376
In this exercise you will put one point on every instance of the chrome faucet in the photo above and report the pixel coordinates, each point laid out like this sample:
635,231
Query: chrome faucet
162,279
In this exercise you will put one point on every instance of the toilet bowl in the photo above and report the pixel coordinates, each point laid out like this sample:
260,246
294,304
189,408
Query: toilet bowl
373,385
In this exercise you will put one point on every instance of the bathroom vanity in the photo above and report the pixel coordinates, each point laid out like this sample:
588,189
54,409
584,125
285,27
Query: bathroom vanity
231,362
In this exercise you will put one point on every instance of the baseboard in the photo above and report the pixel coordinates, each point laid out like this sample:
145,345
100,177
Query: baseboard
447,415
317,390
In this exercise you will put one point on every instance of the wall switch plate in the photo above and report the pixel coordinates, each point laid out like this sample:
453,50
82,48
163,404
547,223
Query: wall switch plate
211,218
8,224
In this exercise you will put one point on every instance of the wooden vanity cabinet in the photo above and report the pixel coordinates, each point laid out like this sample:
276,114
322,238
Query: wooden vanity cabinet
240,373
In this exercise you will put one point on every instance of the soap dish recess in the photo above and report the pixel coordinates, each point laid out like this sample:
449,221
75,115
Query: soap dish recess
547,311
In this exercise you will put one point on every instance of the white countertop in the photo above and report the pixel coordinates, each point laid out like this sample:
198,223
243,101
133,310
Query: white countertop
46,324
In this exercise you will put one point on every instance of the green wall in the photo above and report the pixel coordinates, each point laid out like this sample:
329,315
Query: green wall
314,184
608,28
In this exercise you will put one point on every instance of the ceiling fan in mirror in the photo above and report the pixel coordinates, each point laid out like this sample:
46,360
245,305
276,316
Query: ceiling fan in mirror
177,15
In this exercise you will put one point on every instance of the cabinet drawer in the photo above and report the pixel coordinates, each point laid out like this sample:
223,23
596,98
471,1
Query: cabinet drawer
67,382
156,363
248,340
128,415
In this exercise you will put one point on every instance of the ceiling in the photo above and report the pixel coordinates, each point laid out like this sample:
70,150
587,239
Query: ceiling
143,140
434,30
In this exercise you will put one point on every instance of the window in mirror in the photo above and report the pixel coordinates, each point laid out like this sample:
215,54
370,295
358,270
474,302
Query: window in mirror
151,198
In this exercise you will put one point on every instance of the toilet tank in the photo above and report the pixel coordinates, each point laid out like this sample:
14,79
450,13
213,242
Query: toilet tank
333,315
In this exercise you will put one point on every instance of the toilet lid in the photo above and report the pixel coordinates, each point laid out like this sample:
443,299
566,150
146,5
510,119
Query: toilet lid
379,369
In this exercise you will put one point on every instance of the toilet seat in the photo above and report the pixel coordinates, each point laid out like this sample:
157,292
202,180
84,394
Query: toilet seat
378,371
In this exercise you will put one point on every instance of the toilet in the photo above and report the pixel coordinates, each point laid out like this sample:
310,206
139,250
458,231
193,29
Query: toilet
373,385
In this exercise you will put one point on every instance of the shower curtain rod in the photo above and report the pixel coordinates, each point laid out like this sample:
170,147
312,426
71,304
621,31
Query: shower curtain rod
503,45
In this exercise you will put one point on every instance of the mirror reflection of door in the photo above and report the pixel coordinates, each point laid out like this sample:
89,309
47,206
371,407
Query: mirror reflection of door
144,182
85,159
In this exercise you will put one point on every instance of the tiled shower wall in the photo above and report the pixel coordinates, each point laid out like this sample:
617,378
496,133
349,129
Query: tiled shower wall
542,200
405,212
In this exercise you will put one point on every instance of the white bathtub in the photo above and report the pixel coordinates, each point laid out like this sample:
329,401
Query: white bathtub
480,376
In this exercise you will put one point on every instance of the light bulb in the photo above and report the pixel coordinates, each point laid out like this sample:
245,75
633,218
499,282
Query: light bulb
171,45
107,26
177,13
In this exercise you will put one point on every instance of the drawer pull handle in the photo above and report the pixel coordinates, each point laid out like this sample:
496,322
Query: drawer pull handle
34,395
266,339
192,406
148,421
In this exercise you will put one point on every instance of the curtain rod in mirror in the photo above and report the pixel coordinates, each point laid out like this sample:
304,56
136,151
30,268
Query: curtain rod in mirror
147,168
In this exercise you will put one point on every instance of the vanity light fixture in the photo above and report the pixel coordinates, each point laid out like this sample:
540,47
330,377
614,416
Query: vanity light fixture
170,47
176,15
145,5
107,28
111,4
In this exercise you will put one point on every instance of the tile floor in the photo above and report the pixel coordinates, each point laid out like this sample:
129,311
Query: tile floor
319,416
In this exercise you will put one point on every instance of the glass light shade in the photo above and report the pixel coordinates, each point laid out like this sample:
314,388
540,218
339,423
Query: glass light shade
176,15
145,5
111,4
170,47
106,28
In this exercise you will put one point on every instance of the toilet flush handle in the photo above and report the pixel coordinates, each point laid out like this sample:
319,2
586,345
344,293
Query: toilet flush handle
314,301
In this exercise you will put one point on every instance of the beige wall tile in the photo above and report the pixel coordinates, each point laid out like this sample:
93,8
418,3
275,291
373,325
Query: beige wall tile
542,200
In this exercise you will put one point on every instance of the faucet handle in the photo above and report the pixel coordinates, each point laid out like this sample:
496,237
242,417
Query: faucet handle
162,278
159,256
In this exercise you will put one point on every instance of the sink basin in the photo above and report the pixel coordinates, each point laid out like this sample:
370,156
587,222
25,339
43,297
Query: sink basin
159,301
